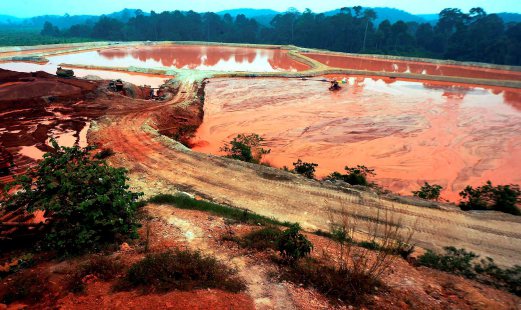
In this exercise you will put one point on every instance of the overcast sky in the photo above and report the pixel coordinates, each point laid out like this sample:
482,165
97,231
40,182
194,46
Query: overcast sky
27,8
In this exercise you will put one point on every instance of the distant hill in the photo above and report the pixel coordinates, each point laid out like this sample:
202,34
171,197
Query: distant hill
249,12
393,15
62,21
510,17
262,16
9,20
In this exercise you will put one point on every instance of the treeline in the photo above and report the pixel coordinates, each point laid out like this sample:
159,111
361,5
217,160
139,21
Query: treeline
473,36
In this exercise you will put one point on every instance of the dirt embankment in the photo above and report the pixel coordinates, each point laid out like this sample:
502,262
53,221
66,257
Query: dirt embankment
182,121
37,106
158,165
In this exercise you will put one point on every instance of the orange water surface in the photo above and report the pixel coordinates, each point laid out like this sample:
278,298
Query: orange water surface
409,132
402,66
195,57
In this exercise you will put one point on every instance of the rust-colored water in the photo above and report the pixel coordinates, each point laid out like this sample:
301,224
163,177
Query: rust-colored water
195,57
408,131
378,65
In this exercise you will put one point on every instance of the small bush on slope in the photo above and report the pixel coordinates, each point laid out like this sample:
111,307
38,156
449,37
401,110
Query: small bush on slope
246,148
355,176
88,202
503,198
305,169
293,245
462,262
102,267
429,192
182,270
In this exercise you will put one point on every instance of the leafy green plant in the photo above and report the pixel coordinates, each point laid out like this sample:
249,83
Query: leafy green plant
305,169
334,282
355,176
87,202
293,245
457,261
462,262
246,148
183,201
503,198
181,270
429,192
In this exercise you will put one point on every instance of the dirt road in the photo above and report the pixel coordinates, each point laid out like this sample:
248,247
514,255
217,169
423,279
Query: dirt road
159,165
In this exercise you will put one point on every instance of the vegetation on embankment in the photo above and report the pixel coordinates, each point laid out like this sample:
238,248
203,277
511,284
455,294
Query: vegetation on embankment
462,262
86,204
25,37
183,201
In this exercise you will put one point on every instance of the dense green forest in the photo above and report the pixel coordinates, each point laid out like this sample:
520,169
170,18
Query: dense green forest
472,36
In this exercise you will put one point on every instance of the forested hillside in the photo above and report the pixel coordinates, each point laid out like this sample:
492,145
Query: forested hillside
472,36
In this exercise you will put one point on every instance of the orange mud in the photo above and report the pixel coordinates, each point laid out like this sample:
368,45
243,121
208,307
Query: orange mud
195,57
51,66
35,107
394,65
409,132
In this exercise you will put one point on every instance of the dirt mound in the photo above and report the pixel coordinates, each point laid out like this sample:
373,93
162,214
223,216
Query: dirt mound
31,89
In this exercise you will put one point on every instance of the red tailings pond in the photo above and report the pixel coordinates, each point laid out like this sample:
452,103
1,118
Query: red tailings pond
193,57
402,66
409,132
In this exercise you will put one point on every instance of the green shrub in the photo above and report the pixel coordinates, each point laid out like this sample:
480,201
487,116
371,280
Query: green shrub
88,202
102,267
354,176
182,270
262,239
183,201
429,192
335,283
305,169
246,148
503,198
457,261
462,262
293,245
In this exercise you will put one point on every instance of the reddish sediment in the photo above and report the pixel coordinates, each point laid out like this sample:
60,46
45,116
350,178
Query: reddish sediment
224,58
34,107
408,131
402,66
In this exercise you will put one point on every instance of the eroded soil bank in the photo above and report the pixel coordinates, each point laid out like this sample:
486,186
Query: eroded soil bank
410,132
37,106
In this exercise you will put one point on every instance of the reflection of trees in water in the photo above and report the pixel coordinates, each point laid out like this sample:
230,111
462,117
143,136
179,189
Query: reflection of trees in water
513,98
401,66
193,56
456,92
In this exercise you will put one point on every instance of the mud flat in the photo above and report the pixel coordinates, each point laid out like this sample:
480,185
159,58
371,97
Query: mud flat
410,132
